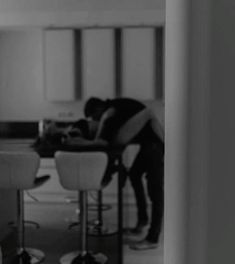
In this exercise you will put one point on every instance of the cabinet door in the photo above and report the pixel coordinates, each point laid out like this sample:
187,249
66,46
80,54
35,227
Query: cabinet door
60,65
138,60
98,63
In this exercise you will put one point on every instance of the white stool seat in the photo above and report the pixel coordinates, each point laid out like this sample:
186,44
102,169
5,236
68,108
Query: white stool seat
18,169
18,172
82,171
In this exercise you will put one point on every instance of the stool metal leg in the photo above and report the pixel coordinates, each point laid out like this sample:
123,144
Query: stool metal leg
83,208
20,218
83,256
25,255
96,227
99,228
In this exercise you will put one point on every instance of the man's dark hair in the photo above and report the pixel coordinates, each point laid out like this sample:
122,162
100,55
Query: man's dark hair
94,107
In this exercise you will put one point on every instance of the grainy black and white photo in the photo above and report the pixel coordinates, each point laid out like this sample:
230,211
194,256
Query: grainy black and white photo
116,131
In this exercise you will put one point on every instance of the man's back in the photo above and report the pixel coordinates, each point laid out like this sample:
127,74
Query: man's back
124,109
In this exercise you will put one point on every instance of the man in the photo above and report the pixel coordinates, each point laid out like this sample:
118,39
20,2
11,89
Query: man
124,121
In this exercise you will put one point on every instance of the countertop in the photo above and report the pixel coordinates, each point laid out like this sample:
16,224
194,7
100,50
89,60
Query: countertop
47,151
16,144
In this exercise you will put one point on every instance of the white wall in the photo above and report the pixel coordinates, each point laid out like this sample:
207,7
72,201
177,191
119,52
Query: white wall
86,13
71,5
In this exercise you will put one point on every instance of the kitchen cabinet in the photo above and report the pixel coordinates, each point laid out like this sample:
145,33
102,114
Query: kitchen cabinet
138,63
61,78
98,64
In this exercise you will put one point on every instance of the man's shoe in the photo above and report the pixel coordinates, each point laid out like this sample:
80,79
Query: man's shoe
144,245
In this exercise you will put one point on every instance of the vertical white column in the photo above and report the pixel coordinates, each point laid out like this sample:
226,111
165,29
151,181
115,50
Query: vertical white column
187,131
176,127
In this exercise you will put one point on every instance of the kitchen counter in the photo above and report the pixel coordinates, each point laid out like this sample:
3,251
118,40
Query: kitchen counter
16,144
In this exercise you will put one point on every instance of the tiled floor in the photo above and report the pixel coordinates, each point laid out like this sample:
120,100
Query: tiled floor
55,238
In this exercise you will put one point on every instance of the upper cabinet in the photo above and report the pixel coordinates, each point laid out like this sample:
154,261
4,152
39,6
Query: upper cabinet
142,65
60,65
79,64
104,62
98,64
138,57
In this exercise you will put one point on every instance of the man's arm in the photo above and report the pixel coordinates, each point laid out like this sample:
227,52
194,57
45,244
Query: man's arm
98,140
135,124
102,124
80,141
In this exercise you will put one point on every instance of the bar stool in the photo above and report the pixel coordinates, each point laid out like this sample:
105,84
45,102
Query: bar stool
18,172
81,171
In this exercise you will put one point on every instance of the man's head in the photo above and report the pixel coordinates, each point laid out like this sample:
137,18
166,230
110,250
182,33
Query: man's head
81,127
94,108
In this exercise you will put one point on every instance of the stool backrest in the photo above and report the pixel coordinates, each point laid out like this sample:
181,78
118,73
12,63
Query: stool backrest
81,170
18,169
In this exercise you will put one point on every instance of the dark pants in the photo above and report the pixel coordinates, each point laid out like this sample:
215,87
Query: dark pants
149,162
